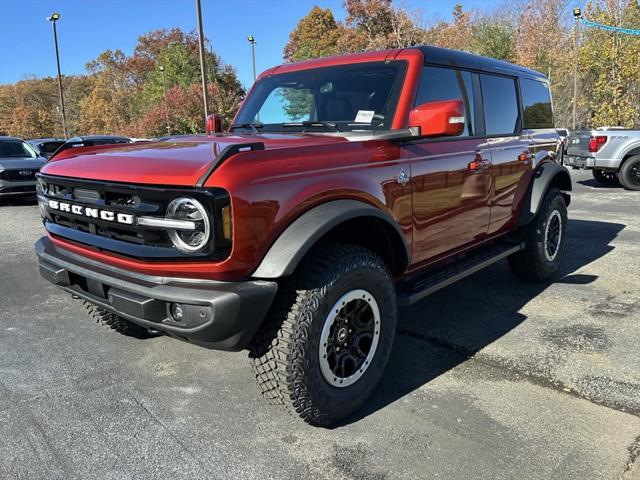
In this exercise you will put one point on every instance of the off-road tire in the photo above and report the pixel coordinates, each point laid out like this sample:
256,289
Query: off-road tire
630,173
285,352
605,177
116,323
532,264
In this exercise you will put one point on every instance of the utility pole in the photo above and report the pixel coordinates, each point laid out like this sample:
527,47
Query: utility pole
203,67
166,105
53,18
577,13
253,42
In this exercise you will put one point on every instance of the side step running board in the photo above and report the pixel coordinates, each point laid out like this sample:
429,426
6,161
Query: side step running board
415,290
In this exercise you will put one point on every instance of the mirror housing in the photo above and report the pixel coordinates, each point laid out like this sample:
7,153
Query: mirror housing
439,118
213,124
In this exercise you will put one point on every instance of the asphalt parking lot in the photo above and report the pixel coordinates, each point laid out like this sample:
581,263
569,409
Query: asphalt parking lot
490,378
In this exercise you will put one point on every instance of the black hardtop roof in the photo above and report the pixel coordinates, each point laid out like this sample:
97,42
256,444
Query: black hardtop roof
455,58
80,138
12,139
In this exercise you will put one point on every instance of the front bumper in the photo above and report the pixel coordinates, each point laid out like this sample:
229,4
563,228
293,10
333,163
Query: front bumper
219,315
13,187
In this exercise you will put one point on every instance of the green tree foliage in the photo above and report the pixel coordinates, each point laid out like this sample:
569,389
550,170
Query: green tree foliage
493,37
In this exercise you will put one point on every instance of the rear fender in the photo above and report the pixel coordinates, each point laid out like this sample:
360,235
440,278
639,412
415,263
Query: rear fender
548,174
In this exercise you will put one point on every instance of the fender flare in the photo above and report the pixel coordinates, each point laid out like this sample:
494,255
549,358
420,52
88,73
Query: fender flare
630,150
296,240
543,176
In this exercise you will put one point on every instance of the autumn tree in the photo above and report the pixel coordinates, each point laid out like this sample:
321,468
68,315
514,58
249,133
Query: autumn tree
378,24
609,66
456,34
316,35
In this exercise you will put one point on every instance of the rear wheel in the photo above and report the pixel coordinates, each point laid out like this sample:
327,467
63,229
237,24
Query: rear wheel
118,324
606,177
630,173
327,340
545,238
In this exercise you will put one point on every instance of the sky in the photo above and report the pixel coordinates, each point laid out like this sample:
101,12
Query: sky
88,27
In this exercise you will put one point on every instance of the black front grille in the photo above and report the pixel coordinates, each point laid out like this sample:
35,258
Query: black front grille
22,175
21,189
131,240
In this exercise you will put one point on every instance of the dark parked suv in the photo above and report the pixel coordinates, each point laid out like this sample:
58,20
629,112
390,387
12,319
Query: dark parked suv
346,187
19,163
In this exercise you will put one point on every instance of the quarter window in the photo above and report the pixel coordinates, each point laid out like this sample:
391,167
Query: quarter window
500,102
448,84
536,104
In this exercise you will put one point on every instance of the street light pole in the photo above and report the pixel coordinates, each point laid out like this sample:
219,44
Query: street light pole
252,41
203,68
53,18
577,13
166,105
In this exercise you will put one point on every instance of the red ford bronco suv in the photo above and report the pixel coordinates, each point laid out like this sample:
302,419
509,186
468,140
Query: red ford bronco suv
346,187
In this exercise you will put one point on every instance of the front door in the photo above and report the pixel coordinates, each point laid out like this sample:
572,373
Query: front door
450,177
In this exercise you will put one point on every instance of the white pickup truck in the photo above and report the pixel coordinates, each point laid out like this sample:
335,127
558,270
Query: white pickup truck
611,153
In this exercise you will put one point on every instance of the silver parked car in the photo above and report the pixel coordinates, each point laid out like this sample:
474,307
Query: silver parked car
19,163
611,153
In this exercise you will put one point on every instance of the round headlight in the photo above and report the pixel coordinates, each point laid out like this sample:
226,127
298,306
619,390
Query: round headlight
187,240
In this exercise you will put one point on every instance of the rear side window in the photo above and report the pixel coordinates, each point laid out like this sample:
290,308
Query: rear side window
448,84
536,104
500,104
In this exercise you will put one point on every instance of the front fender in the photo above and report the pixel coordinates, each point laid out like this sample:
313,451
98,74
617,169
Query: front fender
291,246
547,174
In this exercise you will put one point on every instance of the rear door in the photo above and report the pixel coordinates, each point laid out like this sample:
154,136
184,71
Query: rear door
508,144
450,200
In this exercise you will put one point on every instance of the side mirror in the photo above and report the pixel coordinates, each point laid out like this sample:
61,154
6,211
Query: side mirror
213,124
440,118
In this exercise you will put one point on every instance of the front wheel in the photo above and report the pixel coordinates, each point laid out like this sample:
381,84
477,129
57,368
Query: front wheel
323,348
630,173
606,177
545,239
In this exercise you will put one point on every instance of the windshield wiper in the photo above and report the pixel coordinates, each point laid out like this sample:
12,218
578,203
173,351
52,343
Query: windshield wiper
313,123
253,126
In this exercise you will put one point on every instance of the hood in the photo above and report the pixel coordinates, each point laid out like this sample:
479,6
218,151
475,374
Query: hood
28,163
178,161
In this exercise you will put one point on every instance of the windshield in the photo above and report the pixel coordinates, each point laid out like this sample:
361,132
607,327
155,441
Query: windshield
16,149
348,97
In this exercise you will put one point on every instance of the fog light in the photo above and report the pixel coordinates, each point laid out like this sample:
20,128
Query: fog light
177,312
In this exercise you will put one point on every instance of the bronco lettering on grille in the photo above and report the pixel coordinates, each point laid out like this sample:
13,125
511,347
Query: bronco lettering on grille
106,215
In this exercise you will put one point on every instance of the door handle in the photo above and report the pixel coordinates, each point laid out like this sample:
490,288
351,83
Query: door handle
478,163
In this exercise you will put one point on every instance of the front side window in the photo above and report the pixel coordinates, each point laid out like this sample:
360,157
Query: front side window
536,104
16,149
500,102
448,84
347,97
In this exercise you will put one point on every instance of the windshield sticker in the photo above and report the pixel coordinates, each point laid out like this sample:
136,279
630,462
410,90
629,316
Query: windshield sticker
364,116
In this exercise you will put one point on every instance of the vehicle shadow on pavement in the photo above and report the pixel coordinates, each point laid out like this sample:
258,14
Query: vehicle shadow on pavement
595,184
18,201
445,329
